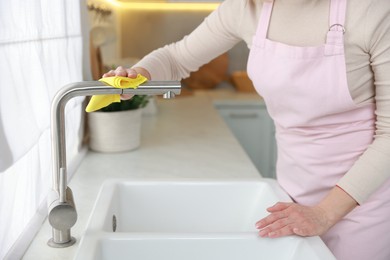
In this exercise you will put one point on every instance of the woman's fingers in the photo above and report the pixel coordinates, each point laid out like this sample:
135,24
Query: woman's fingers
279,206
111,73
131,73
121,71
280,227
270,219
281,232
291,218
126,96
277,211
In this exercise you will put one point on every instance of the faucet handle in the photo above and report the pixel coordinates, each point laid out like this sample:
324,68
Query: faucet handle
62,217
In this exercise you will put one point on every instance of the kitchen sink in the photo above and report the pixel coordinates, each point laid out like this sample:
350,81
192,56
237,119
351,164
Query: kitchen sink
189,219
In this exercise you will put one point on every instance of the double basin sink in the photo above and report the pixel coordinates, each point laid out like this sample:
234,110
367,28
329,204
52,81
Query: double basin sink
189,220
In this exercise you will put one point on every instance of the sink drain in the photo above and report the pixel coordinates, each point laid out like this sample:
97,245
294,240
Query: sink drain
113,223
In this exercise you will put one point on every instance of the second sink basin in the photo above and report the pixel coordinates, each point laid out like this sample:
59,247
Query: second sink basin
232,247
189,219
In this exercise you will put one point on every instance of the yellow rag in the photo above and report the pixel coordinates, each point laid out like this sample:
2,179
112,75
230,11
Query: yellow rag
100,101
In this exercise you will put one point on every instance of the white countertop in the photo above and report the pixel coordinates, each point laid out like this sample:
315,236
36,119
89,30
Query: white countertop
185,139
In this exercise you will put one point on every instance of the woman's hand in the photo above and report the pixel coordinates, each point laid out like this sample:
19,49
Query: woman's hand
127,72
294,219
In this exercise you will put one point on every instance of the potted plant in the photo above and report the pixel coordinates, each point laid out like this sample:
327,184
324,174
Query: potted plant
117,127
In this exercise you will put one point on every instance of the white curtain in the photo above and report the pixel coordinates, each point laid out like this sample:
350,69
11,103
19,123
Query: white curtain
41,50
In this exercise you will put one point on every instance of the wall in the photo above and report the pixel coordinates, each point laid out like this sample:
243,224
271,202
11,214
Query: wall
41,50
144,31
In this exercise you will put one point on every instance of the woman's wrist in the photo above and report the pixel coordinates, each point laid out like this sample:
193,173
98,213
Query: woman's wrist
336,205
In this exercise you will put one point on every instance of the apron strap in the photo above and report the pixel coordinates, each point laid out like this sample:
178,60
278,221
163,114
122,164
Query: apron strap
337,14
336,22
265,16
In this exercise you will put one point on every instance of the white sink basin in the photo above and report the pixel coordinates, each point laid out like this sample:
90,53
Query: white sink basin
202,220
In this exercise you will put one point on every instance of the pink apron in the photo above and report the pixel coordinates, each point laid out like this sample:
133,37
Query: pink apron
320,131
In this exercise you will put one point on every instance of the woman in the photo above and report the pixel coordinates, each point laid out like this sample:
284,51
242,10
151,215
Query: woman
323,68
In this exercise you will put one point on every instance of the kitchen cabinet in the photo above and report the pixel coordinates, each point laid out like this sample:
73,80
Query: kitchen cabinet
251,124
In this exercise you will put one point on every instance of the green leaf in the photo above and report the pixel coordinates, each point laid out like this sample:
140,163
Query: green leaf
138,101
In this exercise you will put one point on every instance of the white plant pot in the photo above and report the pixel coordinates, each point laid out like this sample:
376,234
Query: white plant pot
151,107
115,131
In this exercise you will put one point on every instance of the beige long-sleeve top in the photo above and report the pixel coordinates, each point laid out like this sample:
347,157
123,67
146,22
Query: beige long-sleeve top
303,23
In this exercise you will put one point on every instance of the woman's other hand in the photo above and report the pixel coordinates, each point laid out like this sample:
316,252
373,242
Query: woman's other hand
127,72
294,219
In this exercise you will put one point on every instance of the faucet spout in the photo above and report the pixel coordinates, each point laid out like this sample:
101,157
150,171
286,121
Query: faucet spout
62,213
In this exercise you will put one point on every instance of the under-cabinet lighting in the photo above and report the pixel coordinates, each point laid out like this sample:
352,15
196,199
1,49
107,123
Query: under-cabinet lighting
184,6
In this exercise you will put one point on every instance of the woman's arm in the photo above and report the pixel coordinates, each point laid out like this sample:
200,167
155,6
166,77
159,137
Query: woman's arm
372,169
218,33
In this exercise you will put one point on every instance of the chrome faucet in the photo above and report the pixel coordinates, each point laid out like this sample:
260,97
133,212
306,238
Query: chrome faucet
62,213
